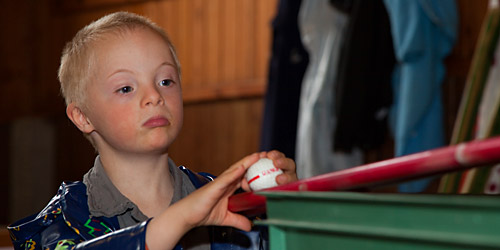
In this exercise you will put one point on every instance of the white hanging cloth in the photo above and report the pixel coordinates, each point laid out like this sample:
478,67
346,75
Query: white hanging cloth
322,29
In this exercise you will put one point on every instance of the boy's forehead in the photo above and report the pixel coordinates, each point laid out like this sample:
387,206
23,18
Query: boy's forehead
120,42
123,36
120,34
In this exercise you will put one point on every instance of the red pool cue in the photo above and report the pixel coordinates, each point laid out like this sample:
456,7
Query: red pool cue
431,162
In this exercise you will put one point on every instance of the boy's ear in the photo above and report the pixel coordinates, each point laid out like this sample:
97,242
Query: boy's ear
76,115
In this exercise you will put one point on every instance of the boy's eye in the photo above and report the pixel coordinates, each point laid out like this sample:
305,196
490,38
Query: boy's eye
125,89
166,82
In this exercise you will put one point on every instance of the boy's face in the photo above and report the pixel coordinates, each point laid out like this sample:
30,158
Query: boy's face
135,98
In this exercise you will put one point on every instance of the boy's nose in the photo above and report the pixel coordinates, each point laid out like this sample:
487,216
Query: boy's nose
152,97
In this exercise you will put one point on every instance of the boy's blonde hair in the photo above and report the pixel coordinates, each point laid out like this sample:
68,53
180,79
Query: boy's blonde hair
77,58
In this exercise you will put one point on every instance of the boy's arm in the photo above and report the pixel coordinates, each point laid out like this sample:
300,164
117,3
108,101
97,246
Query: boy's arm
205,206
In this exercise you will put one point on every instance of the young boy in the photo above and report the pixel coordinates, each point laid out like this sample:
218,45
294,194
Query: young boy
120,78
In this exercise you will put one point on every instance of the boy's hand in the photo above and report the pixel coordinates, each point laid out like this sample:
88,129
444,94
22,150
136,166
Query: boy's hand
280,161
210,202
205,206
285,164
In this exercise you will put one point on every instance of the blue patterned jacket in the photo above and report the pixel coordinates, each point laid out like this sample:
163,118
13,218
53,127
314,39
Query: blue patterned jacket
65,223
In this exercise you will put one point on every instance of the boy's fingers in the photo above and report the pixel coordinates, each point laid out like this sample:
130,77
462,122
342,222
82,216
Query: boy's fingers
230,176
238,221
250,160
282,179
245,186
263,154
275,154
247,161
285,164
280,161
236,171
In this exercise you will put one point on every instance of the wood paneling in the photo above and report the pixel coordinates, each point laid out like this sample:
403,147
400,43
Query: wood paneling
4,174
223,45
217,134
75,155
4,237
29,81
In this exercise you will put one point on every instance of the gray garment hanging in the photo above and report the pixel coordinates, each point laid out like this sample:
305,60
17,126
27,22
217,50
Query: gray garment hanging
322,28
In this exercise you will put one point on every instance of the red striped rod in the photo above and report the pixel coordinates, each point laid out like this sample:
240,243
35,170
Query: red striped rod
426,163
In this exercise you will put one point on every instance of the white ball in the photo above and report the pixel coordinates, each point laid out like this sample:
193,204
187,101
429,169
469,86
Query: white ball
262,174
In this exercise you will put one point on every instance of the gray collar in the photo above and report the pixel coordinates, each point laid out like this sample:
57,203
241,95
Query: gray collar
104,199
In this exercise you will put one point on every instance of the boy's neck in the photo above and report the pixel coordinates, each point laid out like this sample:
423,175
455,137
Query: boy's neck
145,180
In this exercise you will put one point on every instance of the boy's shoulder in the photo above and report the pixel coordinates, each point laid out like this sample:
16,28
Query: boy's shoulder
66,216
198,179
69,193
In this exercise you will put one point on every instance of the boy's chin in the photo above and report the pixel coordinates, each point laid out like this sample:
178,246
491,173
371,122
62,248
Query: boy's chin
152,150
158,143
160,147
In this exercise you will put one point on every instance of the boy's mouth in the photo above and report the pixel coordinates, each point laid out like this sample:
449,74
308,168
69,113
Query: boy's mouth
156,121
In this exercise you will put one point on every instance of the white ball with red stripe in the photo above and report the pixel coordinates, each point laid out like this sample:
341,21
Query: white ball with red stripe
262,174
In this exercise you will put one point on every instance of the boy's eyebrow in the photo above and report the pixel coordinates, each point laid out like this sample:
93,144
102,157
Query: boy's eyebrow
168,64
130,71
119,71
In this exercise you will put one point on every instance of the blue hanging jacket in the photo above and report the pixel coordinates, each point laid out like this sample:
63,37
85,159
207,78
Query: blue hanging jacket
424,32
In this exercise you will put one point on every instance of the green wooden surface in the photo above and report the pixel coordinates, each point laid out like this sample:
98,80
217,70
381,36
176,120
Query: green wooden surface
349,220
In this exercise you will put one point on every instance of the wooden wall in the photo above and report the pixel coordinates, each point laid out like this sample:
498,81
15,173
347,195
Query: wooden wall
223,46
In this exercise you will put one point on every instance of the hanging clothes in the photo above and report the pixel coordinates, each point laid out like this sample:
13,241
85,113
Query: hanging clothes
424,32
288,63
322,28
363,93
